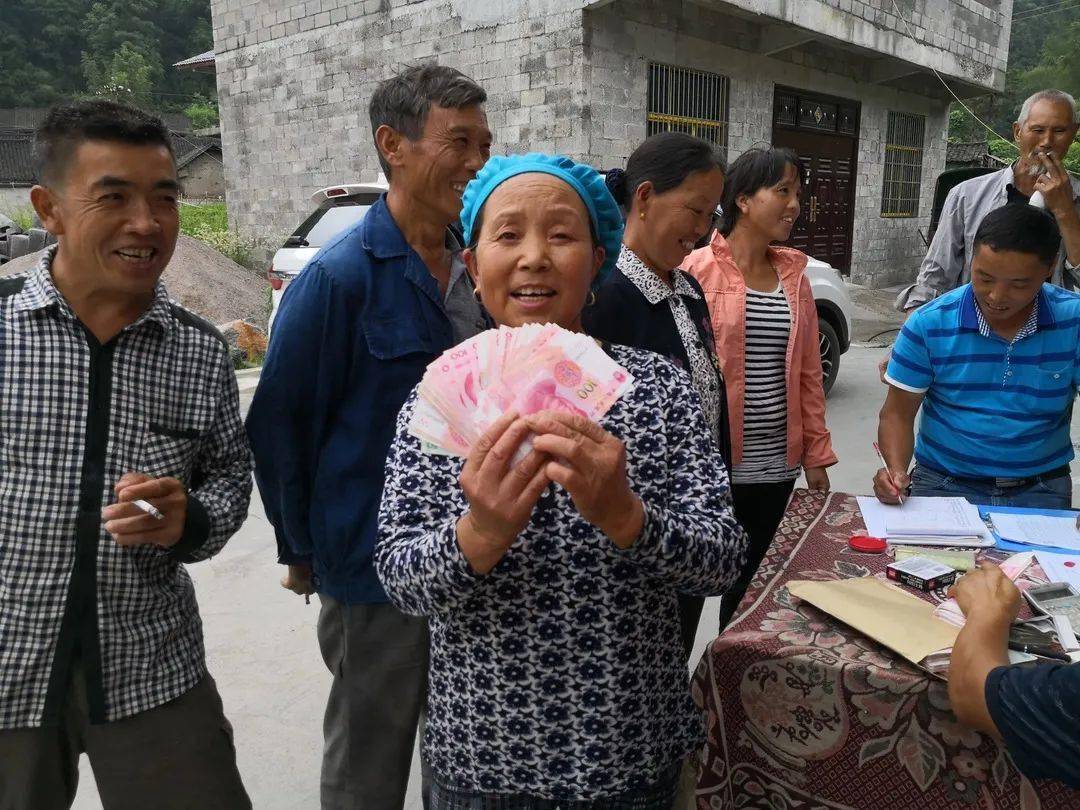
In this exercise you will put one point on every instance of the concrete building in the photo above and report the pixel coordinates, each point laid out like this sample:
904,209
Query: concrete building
847,83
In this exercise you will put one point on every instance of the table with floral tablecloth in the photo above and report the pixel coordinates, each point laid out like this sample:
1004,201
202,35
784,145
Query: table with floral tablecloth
804,712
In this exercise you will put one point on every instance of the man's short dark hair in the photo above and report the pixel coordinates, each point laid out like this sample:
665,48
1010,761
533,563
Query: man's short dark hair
402,101
1020,229
66,126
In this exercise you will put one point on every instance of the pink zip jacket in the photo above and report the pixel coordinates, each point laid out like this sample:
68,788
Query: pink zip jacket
808,441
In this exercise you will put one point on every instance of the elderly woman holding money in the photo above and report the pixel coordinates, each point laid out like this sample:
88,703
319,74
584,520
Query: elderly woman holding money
548,560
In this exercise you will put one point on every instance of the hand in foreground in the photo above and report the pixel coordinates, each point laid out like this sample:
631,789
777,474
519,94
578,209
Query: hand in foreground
299,579
590,464
131,526
987,594
890,485
817,478
501,494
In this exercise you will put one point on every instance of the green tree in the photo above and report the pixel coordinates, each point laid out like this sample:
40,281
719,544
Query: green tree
40,43
1041,55
122,45
128,77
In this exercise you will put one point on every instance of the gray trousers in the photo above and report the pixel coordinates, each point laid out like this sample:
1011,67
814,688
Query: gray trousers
177,756
379,659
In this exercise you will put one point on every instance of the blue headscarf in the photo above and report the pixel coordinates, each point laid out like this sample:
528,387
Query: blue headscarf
603,211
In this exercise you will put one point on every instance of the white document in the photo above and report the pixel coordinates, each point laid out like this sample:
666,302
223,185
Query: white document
1037,530
926,521
1060,567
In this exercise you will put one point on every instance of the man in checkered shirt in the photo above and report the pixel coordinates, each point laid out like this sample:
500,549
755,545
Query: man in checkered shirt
122,457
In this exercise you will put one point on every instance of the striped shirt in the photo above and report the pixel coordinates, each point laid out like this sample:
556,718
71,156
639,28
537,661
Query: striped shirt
993,408
768,328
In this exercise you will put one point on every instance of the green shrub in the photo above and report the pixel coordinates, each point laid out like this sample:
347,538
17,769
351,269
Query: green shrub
202,113
243,250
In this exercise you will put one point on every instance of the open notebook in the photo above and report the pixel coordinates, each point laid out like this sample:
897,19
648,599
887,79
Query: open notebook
926,521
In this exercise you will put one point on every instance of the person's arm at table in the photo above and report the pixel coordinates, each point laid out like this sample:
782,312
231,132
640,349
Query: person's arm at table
1034,709
909,376
896,438
990,602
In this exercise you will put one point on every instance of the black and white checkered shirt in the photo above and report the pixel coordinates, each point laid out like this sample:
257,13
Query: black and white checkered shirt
159,398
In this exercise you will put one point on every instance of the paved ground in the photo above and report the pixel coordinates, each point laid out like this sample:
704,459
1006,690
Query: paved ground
261,640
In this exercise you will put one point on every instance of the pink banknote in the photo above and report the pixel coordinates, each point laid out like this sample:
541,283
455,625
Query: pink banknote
527,369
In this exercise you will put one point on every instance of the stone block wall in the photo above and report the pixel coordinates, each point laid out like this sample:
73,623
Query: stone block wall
966,39
623,39
569,76
295,79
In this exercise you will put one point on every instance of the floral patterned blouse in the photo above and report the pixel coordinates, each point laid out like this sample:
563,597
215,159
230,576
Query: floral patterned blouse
560,673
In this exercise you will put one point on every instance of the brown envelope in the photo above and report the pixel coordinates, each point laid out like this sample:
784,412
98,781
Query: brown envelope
897,619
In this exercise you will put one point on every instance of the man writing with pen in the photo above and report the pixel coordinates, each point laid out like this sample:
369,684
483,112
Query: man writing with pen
994,366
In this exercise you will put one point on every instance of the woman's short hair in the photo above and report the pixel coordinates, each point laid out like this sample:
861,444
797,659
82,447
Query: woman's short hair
665,160
755,169
402,102
66,126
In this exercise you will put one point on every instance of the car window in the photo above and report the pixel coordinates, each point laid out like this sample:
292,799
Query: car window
331,219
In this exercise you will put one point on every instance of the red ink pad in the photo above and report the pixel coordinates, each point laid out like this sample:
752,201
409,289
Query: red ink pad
866,544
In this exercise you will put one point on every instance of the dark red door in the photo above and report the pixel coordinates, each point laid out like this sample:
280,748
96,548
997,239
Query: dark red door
824,229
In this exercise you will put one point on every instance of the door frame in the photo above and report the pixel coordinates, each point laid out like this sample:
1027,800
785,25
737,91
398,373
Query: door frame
855,137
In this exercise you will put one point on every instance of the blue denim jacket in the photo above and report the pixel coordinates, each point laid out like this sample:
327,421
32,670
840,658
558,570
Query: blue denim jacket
354,334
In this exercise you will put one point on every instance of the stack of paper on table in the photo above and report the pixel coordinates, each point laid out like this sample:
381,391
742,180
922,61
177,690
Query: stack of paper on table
1060,568
926,521
1037,530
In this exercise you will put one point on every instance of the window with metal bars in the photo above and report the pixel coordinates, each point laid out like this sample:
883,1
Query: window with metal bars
904,143
686,100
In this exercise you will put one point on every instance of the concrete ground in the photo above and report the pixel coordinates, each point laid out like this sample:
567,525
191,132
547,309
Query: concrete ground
261,642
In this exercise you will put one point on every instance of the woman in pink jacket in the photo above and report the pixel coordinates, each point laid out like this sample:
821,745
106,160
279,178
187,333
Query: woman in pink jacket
766,329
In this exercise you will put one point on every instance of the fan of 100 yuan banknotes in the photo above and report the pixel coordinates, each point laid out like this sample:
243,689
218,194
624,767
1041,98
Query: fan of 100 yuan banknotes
526,369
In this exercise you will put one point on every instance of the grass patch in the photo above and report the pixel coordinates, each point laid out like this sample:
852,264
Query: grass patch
21,215
209,224
196,219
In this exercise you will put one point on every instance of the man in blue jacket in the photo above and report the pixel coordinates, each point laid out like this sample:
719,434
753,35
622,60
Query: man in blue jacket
355,332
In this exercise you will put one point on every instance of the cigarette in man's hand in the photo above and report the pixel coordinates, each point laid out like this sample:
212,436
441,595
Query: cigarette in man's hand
150,509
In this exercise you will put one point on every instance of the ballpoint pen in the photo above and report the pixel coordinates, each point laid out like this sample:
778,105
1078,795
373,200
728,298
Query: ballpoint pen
877,450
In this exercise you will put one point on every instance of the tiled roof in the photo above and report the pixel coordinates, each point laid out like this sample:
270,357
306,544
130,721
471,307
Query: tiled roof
188,147
971,153
17,157
199,62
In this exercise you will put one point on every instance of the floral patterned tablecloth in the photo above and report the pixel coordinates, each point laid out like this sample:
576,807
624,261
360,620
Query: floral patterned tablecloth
804,712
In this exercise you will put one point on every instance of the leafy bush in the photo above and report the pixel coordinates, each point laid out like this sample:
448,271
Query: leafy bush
202,112
1001,148
246,251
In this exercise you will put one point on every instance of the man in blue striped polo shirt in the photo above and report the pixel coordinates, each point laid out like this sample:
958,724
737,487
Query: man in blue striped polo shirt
994,365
